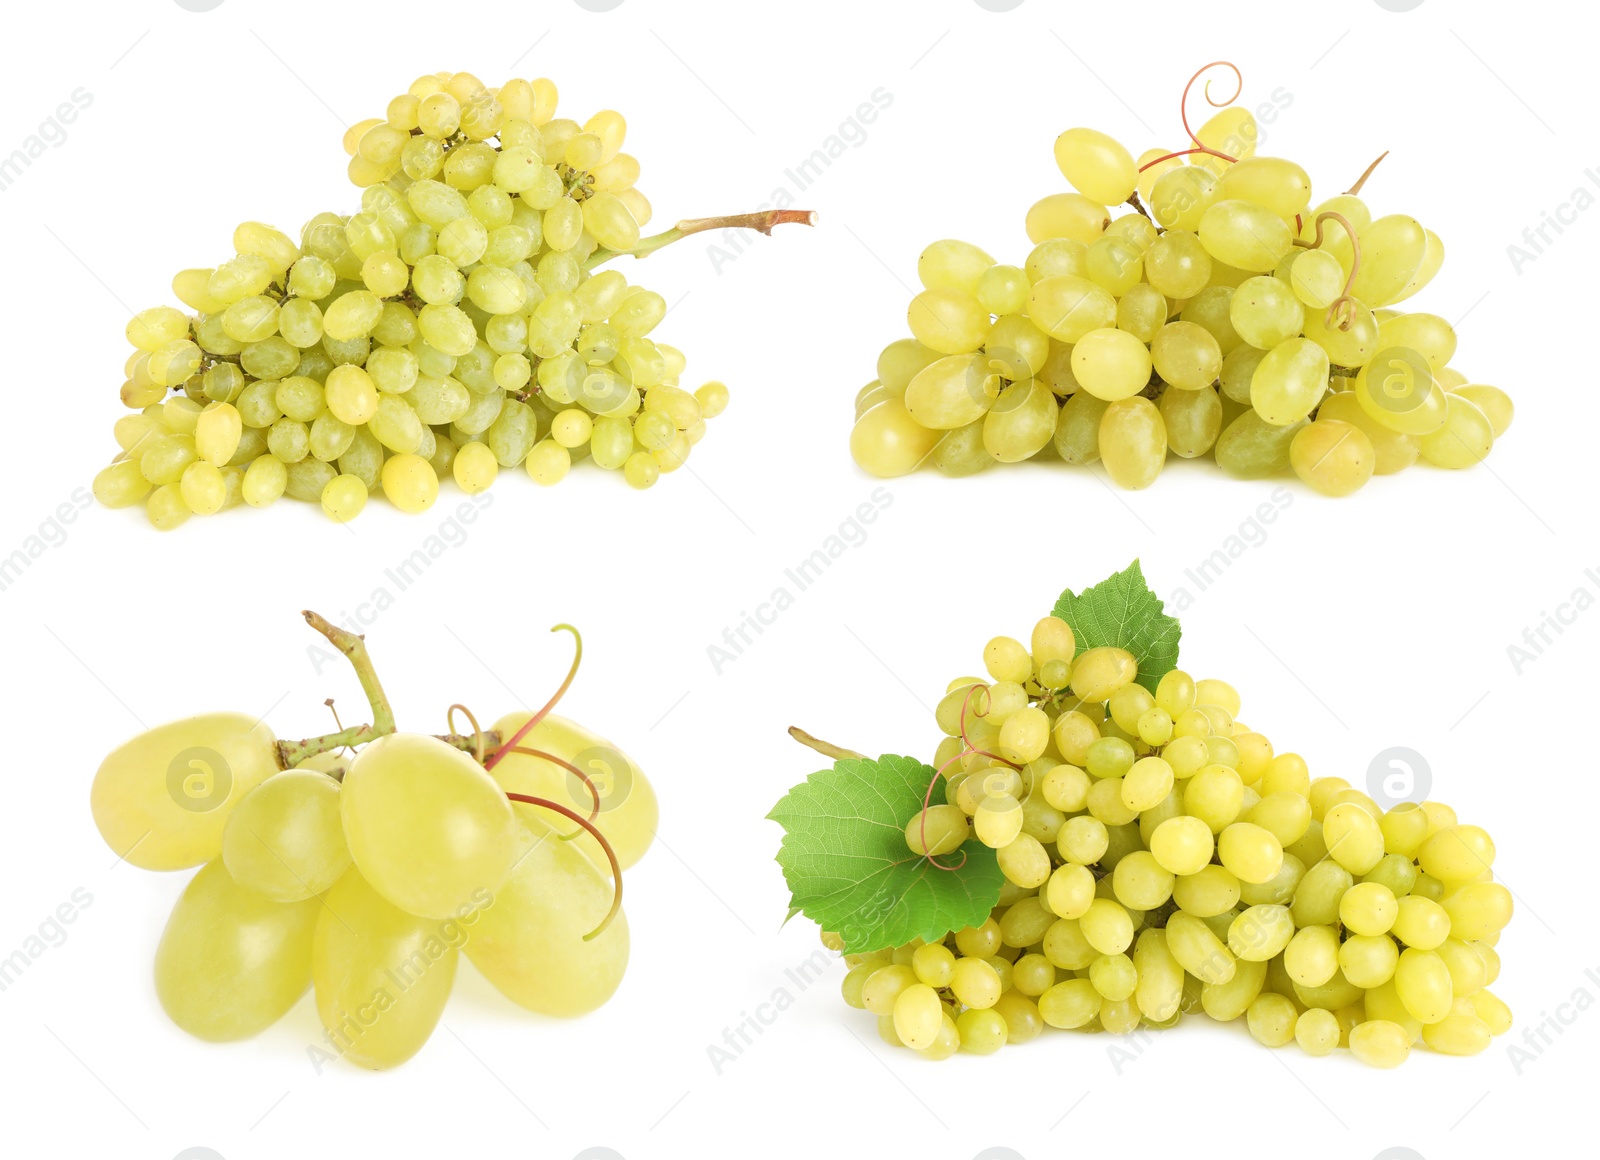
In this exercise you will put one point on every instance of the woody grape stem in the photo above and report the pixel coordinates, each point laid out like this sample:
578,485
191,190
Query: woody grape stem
762,221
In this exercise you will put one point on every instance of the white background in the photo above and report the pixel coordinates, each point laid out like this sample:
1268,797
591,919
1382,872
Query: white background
1356,624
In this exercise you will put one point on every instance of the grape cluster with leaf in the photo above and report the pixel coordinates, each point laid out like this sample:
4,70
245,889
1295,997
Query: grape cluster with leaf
364,862
456,324
1222,315
1101,844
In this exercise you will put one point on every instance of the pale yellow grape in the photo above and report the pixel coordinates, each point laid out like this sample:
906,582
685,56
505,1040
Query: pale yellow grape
1066,215
1198,950
944,827
883,987
1099,672
1317,1031
1097,166
1494,1013
1021,421
528,941
1186,356
1215,795
1368,908
1273,183
365,946
1177,265
1252,853
1463,440
426,825
1147,784
1077,437
1354,347
712,398
474,467
1182,845
1016,348
982,1031
1070,890
1245,236
918,1016
1107,926
1142,311
286,840
1180,197
1334,457
934,964
1232,131
1316,277
1478,910
640,470
1111,364
1427,334
1457,1035
1392,249
1140,882
150,330
410,483
951,392
264,481
1024,735
232,962
548,462
1312,955
998,820
952,265
887,441
1229,999
947,321
121,484
1133,442
975,982
161,800
1000,289
202,489
1380,1043
1392,450
1114,264
1423,985
1265,312
1457,854
344,497
1289,381
1492,401
1353,838
1068,307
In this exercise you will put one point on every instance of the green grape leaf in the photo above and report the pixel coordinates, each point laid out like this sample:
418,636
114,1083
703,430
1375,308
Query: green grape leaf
848,868
1122,612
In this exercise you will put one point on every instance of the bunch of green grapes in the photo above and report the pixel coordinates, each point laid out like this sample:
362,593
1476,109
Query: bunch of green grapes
1222,315
1160,856
457,324
366,876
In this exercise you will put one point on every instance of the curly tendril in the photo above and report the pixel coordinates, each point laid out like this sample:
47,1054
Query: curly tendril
594,832
577,658
968,749
1183,112
1342,310
477,732
594,791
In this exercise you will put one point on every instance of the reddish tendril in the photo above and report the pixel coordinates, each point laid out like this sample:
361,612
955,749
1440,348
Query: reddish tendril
616,871
477,733
510,743
1344,318
594,792
1183,112
968,750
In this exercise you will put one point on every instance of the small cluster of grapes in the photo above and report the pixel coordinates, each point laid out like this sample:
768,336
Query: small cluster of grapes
1160,856
1228,318
367,876
455,325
